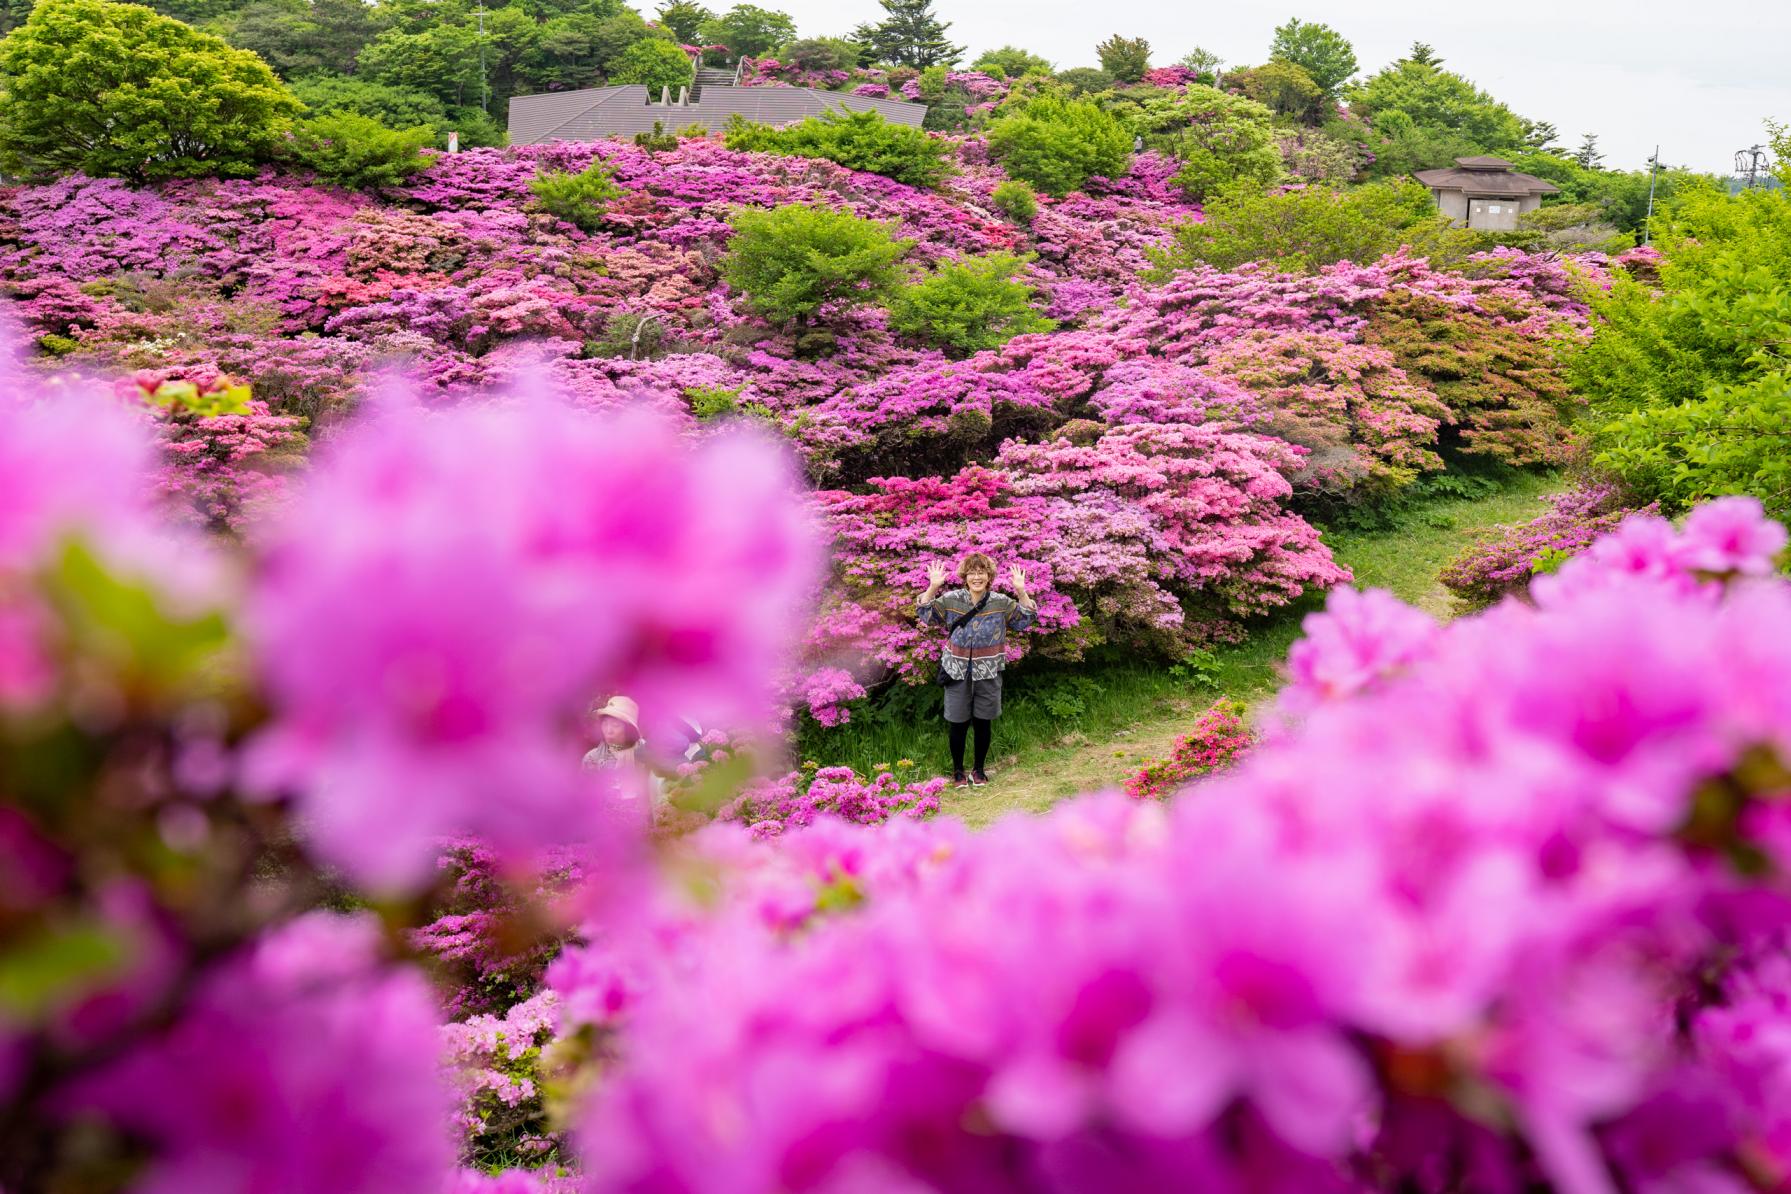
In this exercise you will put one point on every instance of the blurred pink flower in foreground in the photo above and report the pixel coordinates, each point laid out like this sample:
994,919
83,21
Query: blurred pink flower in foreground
450,590
304,1065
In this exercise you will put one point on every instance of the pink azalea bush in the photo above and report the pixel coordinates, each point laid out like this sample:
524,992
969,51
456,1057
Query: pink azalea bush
1219,738
1458,957
310,296
798,798
1500,905
1503,560
473,642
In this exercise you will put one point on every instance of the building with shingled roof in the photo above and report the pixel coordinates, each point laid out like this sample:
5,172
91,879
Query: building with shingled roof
623,111
1485,192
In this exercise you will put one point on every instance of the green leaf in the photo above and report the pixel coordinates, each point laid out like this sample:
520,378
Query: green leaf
58,964
125,622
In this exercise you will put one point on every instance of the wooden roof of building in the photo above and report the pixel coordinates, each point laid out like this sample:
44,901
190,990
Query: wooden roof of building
1485,176
622,111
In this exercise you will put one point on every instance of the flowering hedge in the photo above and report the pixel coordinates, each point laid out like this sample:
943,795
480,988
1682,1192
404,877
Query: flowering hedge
1502,560
1373,371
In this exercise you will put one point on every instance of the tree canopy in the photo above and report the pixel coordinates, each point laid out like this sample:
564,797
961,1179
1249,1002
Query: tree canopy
118,89
1319,50
911,35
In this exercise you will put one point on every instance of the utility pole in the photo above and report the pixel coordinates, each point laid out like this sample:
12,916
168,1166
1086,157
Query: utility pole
1653,169
484,87
1750,162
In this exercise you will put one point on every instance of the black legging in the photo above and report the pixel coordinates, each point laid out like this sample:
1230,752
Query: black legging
958,730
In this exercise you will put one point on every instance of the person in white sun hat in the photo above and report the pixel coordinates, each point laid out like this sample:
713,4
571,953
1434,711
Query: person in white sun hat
619,735
622,749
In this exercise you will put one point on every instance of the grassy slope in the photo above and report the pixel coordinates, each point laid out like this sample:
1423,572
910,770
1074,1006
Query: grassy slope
1138,710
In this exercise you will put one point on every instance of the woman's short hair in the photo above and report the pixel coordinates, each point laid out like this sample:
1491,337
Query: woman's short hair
974,562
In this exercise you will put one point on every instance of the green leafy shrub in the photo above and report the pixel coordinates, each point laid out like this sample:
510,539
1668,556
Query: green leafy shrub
1736,439
1308,229
659,64
119,90
1125,58
580,198
359,152
658,140
1321,53
968,305
1282,87
819,54
1057,145
1085,80
1225,142
1690,381
856,140
793,260
1010,62
1015,200
712,402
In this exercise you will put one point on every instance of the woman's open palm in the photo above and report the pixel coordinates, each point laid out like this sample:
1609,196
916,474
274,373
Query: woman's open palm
935,575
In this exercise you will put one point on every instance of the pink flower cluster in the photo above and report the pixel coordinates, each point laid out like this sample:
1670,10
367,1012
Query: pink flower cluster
586,554
1218,740
1511,915
1503,560
771,806
248,1090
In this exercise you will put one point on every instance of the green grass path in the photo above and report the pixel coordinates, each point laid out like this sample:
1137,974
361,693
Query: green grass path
1135,711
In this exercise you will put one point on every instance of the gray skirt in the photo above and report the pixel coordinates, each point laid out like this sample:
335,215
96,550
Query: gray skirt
973,698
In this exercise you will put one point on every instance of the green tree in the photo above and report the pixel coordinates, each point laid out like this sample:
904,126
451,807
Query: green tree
1015,200
302,37
118,89
1303,231
910,35
359,152
1282,87
1224,141
1057,145
820,54
1202,60
1688,374
748,31
1438,100
1587,156
1422,54
1085,80
1125,58
396,108
857,140
1011,61
442,60
792,261
658,64
1541,134
1319,50
685,19
580,198
967,306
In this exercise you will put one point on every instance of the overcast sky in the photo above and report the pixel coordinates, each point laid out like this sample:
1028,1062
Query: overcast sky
1697,76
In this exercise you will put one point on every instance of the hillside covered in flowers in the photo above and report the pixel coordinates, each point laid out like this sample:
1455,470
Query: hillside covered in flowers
1156,458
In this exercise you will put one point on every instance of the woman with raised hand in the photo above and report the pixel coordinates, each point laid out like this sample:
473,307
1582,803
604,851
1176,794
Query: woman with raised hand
977,621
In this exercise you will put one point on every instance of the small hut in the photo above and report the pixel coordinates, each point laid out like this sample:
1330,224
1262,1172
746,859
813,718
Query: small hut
1485,192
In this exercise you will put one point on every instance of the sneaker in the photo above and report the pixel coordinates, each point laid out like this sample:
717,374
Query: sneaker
959,780
979,777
